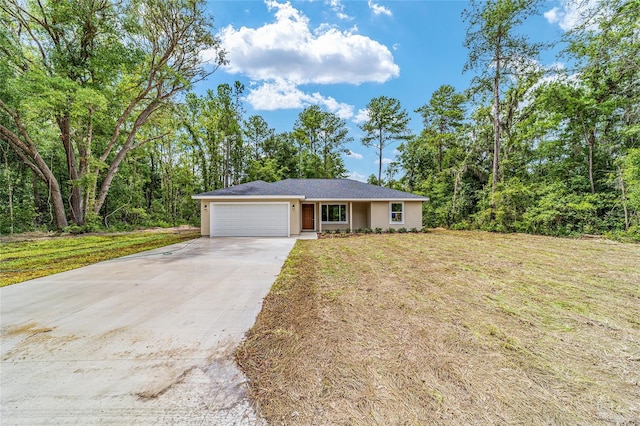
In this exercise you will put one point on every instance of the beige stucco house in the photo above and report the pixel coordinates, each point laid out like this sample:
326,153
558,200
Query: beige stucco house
291,206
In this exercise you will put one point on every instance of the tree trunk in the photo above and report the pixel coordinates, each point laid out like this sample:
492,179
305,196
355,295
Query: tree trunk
440,146
623,189
591,142
126,147
75,204
496,124
325,154
85,169
380,146
31,157
9,189
106,183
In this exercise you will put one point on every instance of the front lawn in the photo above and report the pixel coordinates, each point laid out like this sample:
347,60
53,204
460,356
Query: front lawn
450,328
34,258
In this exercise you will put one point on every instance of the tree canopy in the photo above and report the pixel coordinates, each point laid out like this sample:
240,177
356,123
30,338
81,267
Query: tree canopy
99,126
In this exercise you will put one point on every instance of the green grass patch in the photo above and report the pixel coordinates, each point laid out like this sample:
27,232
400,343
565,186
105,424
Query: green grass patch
26,260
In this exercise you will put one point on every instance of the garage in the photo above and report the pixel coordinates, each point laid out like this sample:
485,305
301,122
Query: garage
249,219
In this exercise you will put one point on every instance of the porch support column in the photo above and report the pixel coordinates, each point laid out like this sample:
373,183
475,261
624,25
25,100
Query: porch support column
319,217
350,216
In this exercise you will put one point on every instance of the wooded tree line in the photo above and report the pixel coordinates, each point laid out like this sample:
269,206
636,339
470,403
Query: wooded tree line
528,149
98,127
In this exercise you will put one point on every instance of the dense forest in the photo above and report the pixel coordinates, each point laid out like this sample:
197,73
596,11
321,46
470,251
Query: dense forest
100,128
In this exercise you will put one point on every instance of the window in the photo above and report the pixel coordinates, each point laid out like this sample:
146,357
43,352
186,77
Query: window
396,213
334,213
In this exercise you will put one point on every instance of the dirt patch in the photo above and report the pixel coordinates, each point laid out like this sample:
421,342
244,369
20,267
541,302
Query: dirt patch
29,329
450,328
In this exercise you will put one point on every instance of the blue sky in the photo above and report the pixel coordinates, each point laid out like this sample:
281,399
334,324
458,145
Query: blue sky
340,54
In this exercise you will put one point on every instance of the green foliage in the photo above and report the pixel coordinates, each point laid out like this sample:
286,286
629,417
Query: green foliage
76,87
559,212
387,122
510,202
631,182
320,137
567,147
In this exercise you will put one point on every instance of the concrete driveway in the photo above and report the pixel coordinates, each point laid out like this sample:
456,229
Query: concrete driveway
144,339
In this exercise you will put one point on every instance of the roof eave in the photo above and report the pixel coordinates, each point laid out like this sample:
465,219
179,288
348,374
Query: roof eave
247,197
368,199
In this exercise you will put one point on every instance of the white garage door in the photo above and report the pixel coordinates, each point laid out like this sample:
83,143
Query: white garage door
249,219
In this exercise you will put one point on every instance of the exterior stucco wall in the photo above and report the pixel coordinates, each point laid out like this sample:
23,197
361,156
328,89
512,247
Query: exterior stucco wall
205,224
295,221
380,215
360,215
413,214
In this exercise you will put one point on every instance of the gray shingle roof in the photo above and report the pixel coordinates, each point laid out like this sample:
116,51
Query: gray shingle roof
255,188
328,189
346,189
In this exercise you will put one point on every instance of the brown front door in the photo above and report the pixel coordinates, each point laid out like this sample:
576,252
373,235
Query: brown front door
307,217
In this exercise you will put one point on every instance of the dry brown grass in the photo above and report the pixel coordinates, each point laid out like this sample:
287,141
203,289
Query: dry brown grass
450,328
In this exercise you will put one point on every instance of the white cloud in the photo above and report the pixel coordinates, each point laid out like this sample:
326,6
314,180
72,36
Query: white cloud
289,49
281,94
354,155
378,9
338,8
384,161
553,15
572,13
361,116
357,176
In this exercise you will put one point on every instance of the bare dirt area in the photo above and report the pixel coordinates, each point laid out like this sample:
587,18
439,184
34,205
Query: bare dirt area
450,328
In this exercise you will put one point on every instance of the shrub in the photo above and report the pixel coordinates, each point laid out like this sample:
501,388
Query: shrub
414,230
402,230
378,231
358,231
74,229
424,229
368,230
391,230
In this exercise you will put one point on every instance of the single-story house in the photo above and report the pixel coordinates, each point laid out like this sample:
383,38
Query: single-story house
291,206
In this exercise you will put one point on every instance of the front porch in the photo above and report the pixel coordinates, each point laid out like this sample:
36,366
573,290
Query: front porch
332,215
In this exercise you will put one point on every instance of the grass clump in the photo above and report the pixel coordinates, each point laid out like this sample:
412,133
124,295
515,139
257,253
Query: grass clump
35,258
450,327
